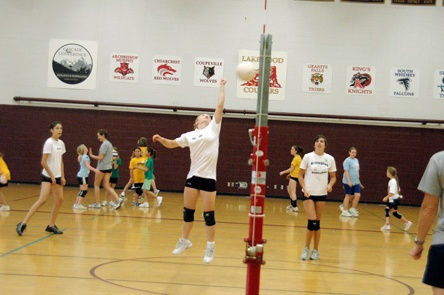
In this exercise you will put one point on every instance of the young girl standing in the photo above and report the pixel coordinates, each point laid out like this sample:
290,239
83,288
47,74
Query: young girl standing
53,178
149,177
296,152
137,176
392,199
317,176
5,177
82,175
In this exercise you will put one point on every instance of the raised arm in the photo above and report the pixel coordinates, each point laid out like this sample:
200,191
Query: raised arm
220,102
168,143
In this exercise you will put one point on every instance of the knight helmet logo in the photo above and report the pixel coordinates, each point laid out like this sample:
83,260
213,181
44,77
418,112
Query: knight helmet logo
359,80
165,69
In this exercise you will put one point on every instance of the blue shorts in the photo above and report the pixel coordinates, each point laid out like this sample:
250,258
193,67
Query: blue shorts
352,190
205,184
434,273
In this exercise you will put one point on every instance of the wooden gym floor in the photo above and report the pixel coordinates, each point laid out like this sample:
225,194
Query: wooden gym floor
128,251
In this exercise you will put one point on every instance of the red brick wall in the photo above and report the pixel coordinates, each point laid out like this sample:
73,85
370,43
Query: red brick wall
23,131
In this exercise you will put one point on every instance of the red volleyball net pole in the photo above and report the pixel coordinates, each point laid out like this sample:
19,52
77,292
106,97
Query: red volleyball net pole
259,162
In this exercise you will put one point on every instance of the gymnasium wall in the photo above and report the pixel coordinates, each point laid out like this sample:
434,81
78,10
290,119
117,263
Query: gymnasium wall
25,128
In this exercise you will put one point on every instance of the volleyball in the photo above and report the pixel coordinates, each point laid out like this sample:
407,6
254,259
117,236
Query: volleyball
246,71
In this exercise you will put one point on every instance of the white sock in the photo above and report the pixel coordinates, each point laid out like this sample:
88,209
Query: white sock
210,244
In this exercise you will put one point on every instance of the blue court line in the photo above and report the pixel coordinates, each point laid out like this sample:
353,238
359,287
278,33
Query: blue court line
24,246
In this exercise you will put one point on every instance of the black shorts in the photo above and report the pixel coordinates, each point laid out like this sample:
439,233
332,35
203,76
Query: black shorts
48,179
295,179
394,204
4,184
204,184
113,180
434,273
106,171
316,198
82,180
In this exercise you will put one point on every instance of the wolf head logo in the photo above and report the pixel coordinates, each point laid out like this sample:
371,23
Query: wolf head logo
165,69
208,72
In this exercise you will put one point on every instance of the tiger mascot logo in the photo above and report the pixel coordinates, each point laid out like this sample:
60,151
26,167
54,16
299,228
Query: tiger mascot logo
317,78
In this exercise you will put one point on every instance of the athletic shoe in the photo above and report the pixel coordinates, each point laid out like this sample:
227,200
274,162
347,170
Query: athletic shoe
112,204
81,207
341,207
157,192
118,204
354,212
292,209
407,225
144,205
182,245
159,201
104,203
137,204
209,255
122,195
386,227
346,213
53,229
95,206
20,228
305,253
314,255
5,208
132,188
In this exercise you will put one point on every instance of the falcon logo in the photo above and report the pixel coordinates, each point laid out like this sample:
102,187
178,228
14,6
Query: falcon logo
165,69
405,82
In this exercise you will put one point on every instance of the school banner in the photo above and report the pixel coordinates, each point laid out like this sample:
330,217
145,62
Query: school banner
124,67
438,89
404,82
167,70
208,71
278,75
317,78
415,2
360,80
364,1
72,64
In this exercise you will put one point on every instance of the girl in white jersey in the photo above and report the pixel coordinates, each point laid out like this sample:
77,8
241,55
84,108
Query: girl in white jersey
201,179
53,178
317,175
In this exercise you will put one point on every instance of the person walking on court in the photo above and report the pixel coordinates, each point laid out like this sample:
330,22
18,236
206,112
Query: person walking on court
5,177
150,154
203,143
104,167
137,176
82,176
317,175
53,178
352,184
432,185
392,199
117,162
292,176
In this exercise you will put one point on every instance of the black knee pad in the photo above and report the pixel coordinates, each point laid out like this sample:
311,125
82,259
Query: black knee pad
397,215
209,218
82,193
139,191
188,215
313,225
387,212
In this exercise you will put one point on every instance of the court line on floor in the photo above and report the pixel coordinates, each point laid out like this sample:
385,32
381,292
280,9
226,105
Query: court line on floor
29,244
